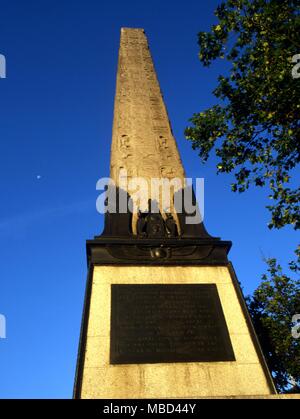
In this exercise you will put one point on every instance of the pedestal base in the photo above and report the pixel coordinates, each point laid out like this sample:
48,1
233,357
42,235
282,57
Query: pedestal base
98,378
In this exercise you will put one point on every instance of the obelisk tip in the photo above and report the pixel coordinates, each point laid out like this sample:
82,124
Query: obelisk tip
125,29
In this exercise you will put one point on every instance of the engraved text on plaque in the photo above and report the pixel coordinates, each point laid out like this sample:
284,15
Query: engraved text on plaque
168,323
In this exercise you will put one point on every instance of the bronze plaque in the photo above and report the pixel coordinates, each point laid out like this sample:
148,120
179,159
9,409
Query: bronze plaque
168,323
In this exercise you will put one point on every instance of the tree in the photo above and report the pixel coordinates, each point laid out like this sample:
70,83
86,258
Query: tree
272,307
254,130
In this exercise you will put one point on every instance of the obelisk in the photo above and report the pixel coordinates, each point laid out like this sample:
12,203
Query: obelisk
142,143
164,316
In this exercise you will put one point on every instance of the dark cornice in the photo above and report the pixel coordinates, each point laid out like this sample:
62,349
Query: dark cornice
163,251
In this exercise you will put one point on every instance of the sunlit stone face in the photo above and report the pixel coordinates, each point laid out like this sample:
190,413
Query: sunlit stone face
101,379
144,154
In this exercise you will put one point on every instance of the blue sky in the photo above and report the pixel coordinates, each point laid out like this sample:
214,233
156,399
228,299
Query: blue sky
56,109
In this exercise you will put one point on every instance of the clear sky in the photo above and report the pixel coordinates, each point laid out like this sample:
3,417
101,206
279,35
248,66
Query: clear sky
56,109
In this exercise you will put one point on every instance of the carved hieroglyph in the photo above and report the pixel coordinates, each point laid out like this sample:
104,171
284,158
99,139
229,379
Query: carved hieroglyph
143,144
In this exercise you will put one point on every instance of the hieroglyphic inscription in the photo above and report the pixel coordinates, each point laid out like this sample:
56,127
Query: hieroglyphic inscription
141,125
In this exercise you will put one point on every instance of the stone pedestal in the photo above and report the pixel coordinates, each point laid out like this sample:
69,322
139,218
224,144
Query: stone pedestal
246,375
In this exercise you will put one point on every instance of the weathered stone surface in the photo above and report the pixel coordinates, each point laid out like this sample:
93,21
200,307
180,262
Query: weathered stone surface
142,143
244,376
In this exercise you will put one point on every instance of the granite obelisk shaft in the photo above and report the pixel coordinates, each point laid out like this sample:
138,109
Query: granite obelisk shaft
142,143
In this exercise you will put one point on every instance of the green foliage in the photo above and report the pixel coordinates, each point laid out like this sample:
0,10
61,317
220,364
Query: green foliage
272,308
255,129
